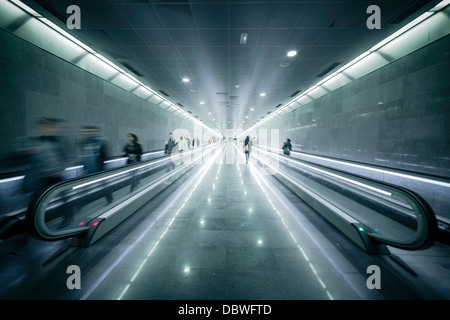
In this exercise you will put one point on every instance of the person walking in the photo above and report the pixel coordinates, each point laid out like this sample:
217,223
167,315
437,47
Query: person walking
182,145
132,150
195,142
247,148
287,147
49,156
168,150
93,152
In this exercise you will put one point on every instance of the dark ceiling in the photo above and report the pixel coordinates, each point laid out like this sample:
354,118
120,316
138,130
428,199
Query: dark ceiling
161,42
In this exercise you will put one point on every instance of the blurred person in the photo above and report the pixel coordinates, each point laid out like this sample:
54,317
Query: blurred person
48,156
93,152
247,148
170,145
287,147
168,150
195,142
132,149
182,145
188,142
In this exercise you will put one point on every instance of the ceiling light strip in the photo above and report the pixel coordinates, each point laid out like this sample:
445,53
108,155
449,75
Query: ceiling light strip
91,51
423,17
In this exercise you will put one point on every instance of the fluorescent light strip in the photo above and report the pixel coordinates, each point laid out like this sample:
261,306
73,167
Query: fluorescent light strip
375,48
334,175
79,43
440,6
11,179
73,168
117,174
26,8
66,35
403,175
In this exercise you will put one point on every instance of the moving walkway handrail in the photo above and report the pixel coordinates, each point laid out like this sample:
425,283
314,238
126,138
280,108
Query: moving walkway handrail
97,183
425,219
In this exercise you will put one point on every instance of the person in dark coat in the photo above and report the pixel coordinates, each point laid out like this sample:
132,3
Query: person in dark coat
170,145
287,147
132,150
195,142
168,150
92,150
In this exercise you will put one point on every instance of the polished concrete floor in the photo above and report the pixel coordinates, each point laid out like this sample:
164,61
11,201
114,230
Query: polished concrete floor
223,231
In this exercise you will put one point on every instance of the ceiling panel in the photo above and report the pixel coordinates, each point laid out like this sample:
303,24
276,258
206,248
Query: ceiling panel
214,38
143,53
168,53
247,15
105,16
155,38
210,15
283,15
139,15
168,40
320,14
127,38
175,15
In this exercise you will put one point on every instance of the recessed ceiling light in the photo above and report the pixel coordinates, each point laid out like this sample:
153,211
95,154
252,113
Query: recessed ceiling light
252,109
186,80
246,117
244,38
202,102
292,53
262,94
284,64
209,113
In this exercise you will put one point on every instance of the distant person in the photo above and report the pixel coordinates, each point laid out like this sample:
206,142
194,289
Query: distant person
195,142
182,144
171,143
287,147
188,143
132,150
247,148
92,150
